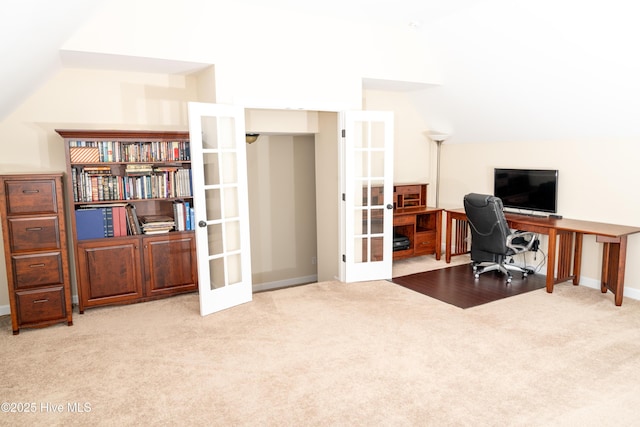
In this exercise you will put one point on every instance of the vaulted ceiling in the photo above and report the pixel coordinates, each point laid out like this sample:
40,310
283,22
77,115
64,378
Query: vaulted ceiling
513,70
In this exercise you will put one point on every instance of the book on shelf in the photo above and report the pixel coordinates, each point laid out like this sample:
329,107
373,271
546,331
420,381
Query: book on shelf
138,169
97,170
179,215
187,214
155,224
132,220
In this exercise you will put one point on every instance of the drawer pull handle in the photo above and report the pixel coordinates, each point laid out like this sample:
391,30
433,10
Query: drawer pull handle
30,191
34,229
39,301
36,265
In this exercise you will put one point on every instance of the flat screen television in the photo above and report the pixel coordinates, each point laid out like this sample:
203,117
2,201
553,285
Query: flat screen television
528,189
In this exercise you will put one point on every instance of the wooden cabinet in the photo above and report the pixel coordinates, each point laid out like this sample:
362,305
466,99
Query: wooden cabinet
148,174
417,222
35,246
410,196
146,267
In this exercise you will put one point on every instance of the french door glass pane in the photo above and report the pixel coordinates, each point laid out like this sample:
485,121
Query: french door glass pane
214,235
229,171
377,253
212,204
227,134
216,271
377,218
361,163
234,263
232,229
377,135
377,163
231,205
211,165
209,132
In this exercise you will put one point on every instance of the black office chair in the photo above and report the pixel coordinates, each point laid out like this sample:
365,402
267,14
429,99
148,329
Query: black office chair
493,243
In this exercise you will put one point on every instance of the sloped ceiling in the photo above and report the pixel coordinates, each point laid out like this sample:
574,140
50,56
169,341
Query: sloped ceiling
31,35
514,70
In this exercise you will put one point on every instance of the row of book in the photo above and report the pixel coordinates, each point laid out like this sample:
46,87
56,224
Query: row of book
155,151
90,185
121,219
99,221
183,215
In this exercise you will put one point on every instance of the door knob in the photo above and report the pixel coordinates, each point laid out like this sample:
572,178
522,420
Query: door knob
202,224
389,206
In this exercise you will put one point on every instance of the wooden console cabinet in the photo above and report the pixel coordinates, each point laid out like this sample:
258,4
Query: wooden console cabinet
35,247
420,224
146,171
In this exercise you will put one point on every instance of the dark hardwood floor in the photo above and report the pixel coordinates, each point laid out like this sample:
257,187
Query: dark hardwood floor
457,286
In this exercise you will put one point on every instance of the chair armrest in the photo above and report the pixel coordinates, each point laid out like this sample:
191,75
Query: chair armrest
526,240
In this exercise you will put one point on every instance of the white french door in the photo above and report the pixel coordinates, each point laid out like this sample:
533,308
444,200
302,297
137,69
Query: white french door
219,179
367,214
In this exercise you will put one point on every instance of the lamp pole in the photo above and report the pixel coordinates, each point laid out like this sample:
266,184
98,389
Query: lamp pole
438,138
438,146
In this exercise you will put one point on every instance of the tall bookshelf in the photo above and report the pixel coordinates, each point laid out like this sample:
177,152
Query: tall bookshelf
118,181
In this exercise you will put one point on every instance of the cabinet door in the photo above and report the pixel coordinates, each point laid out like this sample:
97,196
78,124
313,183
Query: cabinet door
170,263
109,272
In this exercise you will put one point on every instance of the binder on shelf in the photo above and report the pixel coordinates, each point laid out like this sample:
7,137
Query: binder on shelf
90,223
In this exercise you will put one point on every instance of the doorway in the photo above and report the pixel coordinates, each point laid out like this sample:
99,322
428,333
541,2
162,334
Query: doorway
281,172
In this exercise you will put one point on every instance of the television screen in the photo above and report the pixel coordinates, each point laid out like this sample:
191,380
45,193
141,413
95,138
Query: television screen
531,189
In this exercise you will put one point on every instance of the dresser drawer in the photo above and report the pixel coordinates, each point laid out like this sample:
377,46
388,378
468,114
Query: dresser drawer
41,305
425,243
34,233
37,270
29,197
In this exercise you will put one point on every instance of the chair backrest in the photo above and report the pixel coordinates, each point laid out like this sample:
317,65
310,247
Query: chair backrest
489,227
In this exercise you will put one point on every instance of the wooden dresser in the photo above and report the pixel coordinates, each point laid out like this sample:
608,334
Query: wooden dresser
35,249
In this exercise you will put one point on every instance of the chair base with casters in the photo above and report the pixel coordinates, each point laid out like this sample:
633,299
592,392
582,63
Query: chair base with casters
506,268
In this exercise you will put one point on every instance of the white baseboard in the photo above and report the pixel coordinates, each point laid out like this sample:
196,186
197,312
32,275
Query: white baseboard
284,283
588,282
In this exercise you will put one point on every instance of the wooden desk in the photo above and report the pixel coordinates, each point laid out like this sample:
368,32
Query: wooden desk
422,225
565,240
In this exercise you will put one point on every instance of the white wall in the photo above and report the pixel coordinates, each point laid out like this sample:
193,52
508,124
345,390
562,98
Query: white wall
264,56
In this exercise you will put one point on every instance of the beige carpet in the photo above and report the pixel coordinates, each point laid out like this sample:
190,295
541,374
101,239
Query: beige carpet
334,354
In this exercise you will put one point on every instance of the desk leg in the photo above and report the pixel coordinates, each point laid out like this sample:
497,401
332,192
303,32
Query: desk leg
551,260
448,231
614,254
577,259
459,245
438,235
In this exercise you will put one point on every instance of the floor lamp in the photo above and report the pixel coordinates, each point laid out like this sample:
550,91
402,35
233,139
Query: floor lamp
438,138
